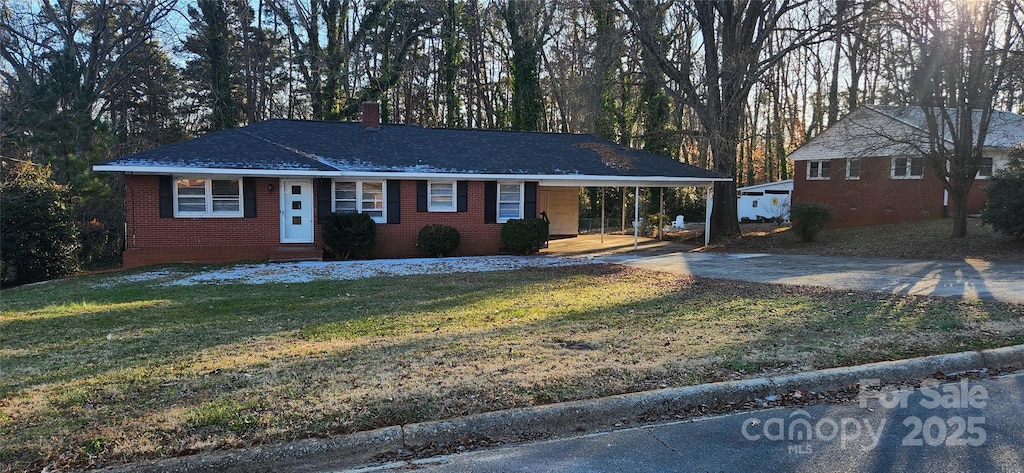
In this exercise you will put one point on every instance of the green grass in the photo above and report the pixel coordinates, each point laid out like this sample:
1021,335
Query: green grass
93,369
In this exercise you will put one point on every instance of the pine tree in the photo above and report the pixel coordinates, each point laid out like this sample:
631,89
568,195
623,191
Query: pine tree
213,68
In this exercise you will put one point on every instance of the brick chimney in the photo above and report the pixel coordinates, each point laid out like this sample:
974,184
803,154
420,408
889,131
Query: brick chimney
371,116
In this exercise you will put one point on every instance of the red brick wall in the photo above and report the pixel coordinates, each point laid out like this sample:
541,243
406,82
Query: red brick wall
976,198
876,198
153,240
477,237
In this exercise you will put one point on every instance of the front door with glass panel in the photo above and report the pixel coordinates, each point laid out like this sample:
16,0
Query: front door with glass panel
296,211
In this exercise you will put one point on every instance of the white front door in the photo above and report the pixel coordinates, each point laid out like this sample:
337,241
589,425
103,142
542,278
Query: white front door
296,211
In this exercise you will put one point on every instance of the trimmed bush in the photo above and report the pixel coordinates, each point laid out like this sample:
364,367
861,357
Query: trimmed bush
39,239
524,236
1005,197
809,218
437,240
349,235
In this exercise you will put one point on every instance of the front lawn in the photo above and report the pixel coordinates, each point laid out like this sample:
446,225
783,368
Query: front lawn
106,369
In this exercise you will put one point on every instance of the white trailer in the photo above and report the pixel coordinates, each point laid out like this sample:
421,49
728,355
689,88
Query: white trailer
763,202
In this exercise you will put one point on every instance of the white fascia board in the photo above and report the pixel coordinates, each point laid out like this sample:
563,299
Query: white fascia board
767,185
638,182
551,180
211,171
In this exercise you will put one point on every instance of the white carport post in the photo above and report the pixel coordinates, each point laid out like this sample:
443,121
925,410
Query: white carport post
707,215
661,211
636,218
602,214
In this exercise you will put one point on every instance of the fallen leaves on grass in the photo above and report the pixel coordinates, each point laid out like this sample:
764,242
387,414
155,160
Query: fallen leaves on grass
216,367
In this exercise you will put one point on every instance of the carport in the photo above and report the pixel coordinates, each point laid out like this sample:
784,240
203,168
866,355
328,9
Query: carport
634,182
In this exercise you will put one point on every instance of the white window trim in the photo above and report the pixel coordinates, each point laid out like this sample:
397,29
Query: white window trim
861,169
522,202
208,184
820,176
455,197
892,168
359,197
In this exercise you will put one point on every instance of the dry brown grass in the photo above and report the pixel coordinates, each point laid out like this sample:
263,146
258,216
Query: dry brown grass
92,375
927,239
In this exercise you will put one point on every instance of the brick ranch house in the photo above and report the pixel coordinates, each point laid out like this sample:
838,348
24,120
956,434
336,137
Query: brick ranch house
869,169
258,192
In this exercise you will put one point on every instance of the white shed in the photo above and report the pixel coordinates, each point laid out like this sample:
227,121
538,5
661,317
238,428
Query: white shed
765,201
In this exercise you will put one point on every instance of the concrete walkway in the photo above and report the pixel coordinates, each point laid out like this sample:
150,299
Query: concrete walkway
591,245
973,279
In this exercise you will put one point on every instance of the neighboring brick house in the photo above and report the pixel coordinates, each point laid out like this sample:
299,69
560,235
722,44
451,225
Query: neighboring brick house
258,192
869,168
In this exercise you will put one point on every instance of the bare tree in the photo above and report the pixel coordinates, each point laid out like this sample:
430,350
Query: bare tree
729,58
962,57
61,61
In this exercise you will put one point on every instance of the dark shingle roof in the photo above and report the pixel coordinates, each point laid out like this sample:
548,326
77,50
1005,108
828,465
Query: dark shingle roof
228,149
346,146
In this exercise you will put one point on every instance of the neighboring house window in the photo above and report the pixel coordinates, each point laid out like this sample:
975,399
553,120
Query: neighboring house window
207,197
819,170
365,197
510,202
985,168
441,196
907,168
853,168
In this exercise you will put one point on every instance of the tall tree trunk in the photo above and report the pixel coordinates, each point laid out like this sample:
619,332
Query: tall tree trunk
526,22
837,53
724,143
451,65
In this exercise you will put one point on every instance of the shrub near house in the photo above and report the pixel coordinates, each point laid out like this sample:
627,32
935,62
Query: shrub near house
349,235
524,236
438,240
810,218
39,239
1005,207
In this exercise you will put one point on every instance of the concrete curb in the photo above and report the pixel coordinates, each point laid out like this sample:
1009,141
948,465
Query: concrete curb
564,419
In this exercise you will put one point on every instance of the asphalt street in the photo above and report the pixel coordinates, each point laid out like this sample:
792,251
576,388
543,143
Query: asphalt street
1001,281
972,425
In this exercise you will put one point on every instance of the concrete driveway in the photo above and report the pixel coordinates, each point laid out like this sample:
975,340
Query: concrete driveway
972,279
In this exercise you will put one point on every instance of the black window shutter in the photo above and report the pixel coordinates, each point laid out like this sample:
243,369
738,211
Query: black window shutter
529,200
462,196
249,197
491,202
421,196
323,198
166,197
394,201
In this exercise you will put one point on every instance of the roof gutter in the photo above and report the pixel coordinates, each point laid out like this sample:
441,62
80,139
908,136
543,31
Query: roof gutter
553,180
163,170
